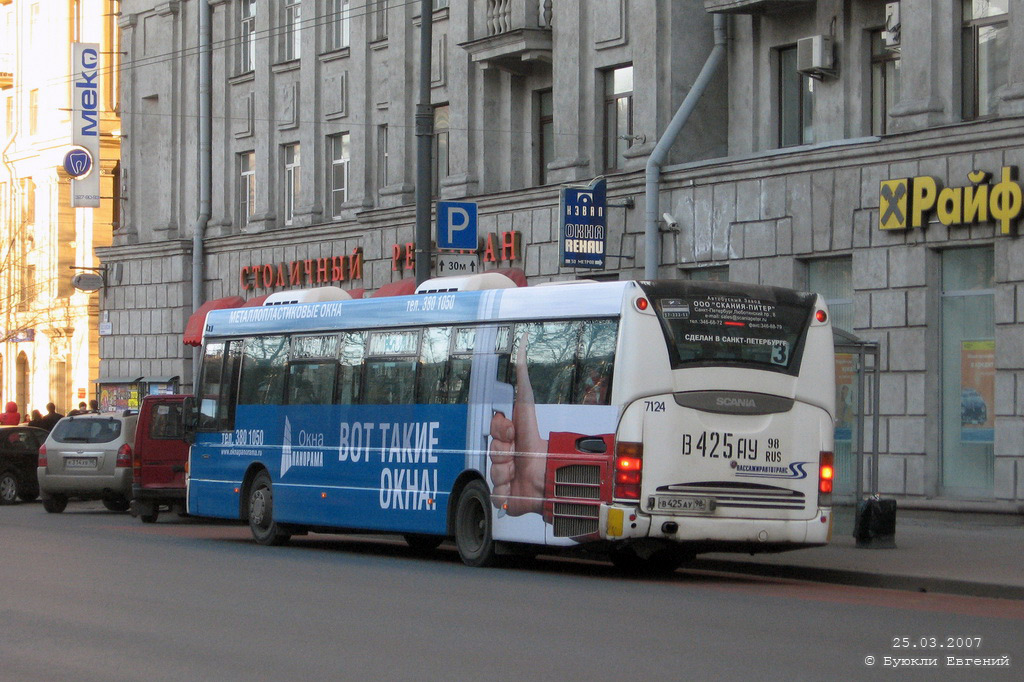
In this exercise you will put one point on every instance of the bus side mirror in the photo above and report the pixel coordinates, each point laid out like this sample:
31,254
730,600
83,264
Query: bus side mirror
189,420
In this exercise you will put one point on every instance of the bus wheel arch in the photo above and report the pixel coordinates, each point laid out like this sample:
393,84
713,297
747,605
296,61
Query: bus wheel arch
461,482
246,487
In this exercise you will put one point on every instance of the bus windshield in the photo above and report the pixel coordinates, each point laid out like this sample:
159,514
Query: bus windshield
708,324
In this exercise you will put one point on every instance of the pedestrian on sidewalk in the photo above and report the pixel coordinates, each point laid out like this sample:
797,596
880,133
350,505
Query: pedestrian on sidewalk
11,416
51,417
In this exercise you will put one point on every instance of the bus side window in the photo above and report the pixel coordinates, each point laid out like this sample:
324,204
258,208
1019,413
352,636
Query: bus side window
350,371
311,383
217,386
391,368
460,364
430,380
550,358
596,358
264,359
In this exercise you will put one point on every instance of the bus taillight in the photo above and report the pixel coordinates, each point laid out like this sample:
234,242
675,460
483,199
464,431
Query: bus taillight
629,465
826,472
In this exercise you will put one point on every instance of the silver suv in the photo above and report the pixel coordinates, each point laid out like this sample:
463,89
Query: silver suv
88,457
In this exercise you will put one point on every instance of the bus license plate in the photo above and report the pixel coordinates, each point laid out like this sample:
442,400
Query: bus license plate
692,505
80,463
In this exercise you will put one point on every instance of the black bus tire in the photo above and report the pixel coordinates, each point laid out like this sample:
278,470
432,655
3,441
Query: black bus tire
473,526
265,530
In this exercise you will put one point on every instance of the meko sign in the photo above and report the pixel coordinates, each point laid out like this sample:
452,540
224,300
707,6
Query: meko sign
910,202
85,104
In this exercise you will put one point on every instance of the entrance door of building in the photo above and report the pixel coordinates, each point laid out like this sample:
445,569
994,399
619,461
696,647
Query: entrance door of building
968,372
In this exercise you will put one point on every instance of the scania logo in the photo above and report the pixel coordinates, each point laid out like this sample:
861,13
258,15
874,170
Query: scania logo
736,402
78,162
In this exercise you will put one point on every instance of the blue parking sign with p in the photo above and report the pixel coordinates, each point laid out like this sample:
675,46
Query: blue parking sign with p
456,225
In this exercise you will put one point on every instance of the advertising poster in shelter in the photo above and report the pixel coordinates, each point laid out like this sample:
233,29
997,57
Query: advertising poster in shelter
977,391
846,397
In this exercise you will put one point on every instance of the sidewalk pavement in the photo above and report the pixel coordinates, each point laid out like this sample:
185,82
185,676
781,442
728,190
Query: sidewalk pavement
957,553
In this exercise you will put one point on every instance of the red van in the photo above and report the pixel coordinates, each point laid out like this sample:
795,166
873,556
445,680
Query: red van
159,457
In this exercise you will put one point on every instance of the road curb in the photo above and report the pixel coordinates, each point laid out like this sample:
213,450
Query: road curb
864,579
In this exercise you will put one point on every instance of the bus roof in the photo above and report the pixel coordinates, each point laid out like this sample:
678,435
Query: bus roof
601,299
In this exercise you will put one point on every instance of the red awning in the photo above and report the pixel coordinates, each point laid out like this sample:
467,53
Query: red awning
194,328
255,302
403,287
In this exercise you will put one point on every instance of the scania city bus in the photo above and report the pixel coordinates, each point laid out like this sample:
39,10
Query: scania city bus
648,420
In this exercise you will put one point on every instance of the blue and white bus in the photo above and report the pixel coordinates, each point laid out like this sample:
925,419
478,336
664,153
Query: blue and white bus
649,420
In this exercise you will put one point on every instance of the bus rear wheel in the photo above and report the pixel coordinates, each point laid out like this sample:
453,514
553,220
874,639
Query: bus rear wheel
265,530
473,529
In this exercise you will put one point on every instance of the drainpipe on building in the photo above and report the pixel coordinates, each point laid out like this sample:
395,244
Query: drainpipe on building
205,161
652,236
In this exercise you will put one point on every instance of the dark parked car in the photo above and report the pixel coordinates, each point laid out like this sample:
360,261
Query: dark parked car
19,453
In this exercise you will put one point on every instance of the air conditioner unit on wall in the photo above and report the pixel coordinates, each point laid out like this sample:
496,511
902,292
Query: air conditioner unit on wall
891,34
815,56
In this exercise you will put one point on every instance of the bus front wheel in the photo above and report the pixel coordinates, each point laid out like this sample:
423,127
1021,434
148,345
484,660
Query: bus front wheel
265,530
473,535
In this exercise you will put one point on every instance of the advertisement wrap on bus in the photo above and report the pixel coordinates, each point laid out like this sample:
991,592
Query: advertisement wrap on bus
650,421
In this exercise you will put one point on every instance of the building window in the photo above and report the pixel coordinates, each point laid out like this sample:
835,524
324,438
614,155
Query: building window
291,27
440,4
440,151
885,83
9,115
968,371
379,20
618,116
339,25
796,102
33,111
338,147
714,273
246,35
292,181
545,134
986,55
382,157
246,187
832,278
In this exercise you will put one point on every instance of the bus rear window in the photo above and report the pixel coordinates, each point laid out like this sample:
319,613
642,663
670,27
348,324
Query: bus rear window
734,325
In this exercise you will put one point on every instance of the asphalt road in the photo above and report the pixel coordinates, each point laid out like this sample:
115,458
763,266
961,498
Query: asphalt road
93,595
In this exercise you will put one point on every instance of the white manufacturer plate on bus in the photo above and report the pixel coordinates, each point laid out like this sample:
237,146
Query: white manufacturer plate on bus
691,505
80,463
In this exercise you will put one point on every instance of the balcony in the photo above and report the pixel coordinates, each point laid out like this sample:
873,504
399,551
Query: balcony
753,6
517,36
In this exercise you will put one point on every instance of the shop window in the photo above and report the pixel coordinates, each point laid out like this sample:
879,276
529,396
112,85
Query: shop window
968,372
986,55
832,278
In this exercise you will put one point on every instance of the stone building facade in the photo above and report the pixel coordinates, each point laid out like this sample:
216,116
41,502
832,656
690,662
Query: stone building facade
863,149
49,349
